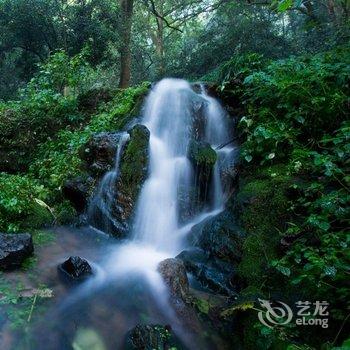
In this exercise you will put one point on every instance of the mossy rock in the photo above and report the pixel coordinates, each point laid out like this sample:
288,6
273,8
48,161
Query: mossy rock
220,237
149,337
201,153
203,158
262,207
134,163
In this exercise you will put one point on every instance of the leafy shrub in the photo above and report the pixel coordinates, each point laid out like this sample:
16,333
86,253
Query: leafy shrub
22,203
296,114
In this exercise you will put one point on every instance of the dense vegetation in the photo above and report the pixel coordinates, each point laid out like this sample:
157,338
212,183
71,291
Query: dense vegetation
282,68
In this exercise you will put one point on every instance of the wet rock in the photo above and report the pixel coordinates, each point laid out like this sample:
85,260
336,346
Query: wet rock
203,158
213,274
75,269
114,203
133,173
99,152
149,337
199,105
219,236
78,191
174,275
14,248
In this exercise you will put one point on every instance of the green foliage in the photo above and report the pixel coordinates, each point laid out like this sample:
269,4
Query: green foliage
262,204
294,201
58,159
293,100
19,208
44,109
59,72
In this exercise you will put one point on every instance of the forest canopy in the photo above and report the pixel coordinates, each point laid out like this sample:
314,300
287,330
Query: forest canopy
130,41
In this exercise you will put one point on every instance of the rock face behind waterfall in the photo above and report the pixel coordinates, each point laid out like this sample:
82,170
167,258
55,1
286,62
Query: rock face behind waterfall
203,159
112,205
133,169
99,152
109,208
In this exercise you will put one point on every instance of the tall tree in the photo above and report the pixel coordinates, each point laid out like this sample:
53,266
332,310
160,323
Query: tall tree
126,7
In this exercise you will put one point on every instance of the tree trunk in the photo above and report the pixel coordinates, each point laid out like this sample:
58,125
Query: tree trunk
125,50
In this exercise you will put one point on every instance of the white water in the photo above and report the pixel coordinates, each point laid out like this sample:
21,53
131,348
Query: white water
217,133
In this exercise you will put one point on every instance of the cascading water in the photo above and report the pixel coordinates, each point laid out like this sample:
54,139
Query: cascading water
217,133
168,117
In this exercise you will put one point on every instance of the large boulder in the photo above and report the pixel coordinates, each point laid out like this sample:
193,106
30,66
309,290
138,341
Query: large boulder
114,201
174,275
132,174
75,269
213,274
99,152
219,236
150,337
14,248
173,272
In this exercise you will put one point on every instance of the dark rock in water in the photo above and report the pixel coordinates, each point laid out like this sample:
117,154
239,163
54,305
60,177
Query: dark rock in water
150,337
219,236
174,274
78,191
99,152
203,158
211,273
75,269
14,248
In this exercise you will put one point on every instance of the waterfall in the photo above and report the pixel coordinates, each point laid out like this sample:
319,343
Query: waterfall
167,115
175,114
217,133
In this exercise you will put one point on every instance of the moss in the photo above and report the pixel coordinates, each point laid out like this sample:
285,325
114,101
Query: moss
202,154
262,204
202,305
135,161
